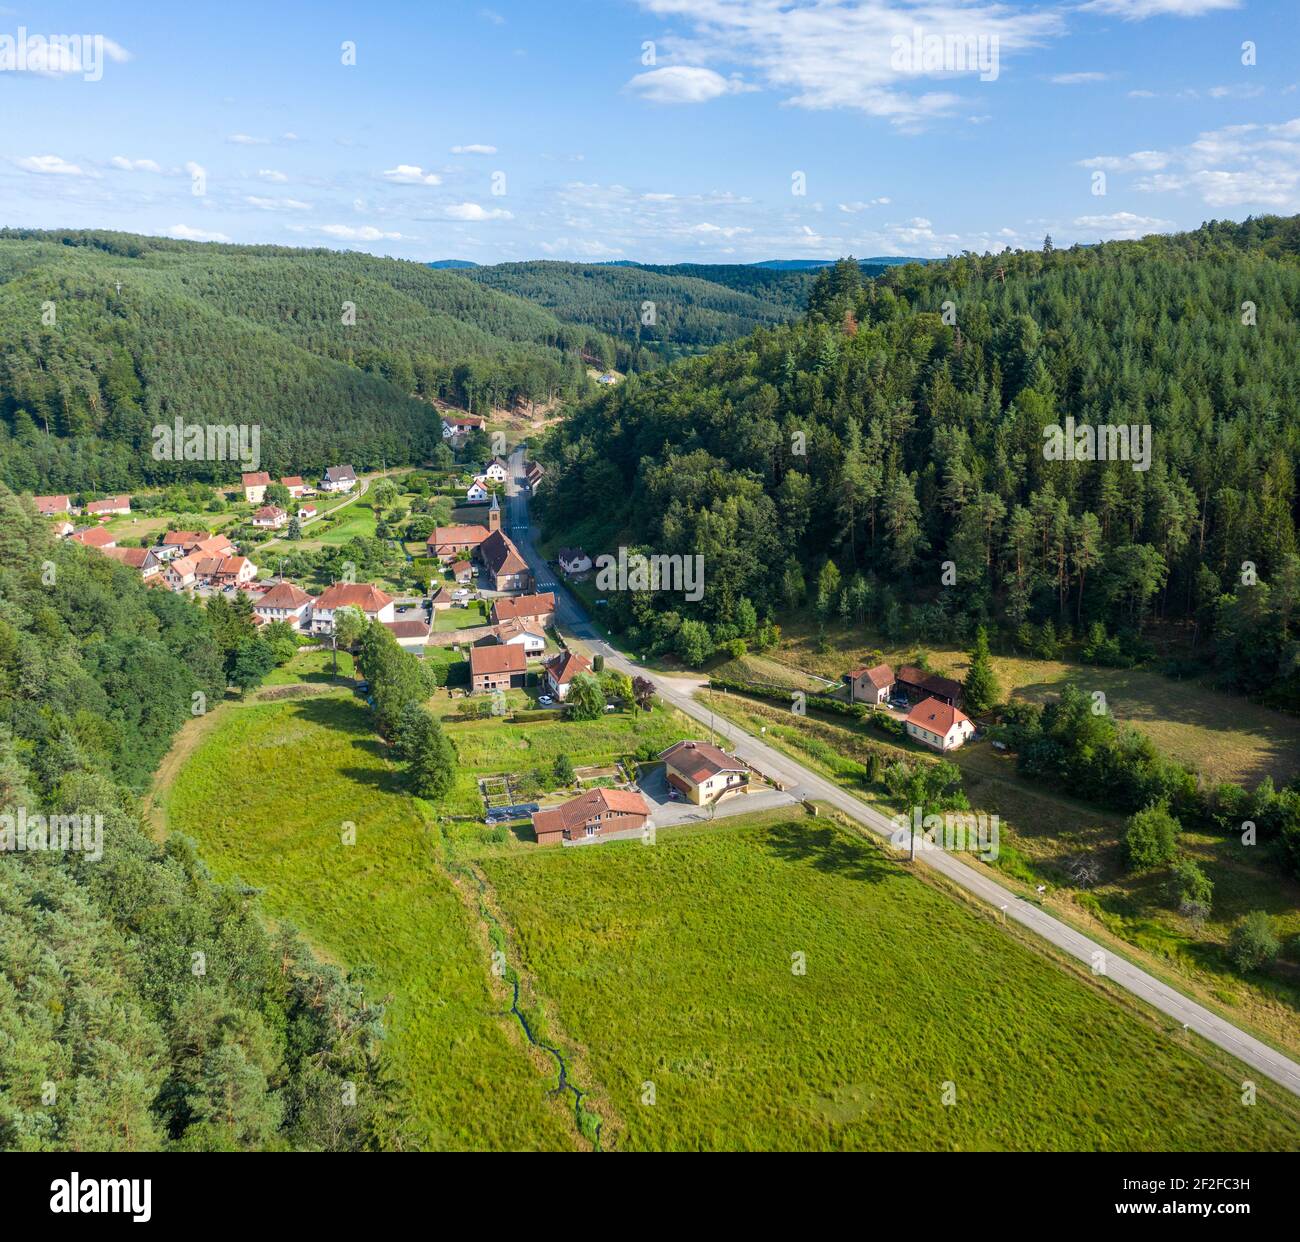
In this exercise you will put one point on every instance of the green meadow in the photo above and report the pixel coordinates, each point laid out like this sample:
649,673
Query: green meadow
675,964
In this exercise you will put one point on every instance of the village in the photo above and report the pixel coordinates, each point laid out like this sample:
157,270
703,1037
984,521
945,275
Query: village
477,574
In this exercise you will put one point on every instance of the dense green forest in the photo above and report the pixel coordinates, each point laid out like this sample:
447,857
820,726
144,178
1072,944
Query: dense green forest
691,310
142,1005
105,335
884,457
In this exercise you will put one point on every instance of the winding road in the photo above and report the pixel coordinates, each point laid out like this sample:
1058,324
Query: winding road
805,783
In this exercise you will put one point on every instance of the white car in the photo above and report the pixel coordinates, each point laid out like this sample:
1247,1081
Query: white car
545,700
460,593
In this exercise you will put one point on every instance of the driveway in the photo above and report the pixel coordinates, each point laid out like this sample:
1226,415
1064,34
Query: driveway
667,811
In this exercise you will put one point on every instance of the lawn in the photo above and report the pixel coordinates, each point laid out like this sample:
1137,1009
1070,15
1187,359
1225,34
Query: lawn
1222,736
311,666
1041,833
447,619
267,794
671,969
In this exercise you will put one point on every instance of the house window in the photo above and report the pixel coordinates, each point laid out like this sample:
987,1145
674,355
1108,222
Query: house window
592,829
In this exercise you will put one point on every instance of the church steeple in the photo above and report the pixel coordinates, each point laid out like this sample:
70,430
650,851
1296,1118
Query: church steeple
494,514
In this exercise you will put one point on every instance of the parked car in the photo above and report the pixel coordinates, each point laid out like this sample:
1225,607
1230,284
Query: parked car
545,700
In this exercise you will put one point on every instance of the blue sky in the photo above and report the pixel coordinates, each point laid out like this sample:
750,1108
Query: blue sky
660,130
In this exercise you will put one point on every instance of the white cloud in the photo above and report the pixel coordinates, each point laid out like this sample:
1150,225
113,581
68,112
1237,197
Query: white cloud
684,84
472,211
856,54
129,165
276,204
854,208
1139,10
272,174
1237,166
474,148
1121,225
247,140
1077,79
364,232
185,233
411,174
51,165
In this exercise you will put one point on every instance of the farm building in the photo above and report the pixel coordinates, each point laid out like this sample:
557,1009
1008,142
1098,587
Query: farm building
590,816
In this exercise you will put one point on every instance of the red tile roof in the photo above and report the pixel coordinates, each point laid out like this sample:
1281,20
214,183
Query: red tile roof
501,556
51,504
284,595
935,716
882,676
930,682
457,536
94,537
570,816
407,629
499,658
566,666
258,479
369,598
514,607
697,761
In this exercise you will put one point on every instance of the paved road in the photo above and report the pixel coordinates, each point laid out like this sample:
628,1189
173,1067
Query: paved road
805,783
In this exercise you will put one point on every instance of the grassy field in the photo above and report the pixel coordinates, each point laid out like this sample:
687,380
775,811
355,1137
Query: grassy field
1222,736
266,795
1041,833
671,965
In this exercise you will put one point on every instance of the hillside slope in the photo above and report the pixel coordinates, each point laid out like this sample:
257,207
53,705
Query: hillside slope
240,334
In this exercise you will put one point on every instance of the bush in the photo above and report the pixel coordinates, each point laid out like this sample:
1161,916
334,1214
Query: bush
1191,890
1253,942
1150,838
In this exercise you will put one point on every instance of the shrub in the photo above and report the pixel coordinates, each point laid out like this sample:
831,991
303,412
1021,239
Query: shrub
1191,890
1149,838
1253,942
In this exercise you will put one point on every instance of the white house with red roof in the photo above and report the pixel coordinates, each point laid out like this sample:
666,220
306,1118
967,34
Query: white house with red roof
561,670
270,517
939,725
255,483
285,602
871,685
704,773
48,506
364,596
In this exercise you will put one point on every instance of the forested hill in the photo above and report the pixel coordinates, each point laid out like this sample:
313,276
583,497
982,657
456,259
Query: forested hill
691,307
874,436
249,334
143,1006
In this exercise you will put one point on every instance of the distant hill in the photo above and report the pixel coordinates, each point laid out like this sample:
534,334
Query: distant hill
661,310
250,334
804,265
439,265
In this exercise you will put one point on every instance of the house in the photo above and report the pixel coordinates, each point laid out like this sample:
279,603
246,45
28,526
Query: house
496,470
140,559
110,506
225,571
871,685
369,599
446,542
339,479
939,725
532,474
306,513
62,528
294,485
285,602
412,635
182,573
255,485
573,561
608,378
176,543
48,506
561,670
537,610
270,517
478,490
463,571
94,537
213,545
497,667
591,816
530,638
506,569
454,428
441,599
916,681
703,772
